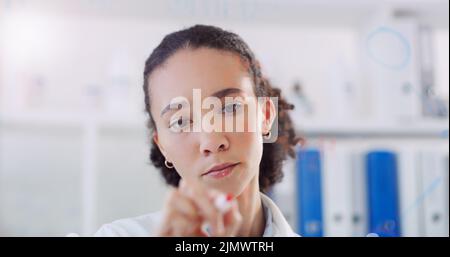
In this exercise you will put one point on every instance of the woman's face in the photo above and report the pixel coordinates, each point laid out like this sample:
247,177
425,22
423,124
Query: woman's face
214,73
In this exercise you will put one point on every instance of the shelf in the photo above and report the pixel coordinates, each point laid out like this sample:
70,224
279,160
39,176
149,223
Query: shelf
426,128
74,119
308,128
299,12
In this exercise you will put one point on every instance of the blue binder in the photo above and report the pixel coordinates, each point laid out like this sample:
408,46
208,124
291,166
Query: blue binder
309,192
382,193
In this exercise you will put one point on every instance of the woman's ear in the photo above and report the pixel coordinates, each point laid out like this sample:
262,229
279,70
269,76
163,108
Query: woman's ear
158,143
268,114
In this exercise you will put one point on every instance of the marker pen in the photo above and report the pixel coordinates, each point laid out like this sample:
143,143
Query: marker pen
223,204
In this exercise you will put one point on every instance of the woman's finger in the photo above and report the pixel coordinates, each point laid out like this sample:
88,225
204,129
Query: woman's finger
180,216
201,196
184,205
232,220
181,225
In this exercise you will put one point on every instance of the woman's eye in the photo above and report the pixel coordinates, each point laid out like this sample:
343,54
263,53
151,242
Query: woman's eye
179,124
232,108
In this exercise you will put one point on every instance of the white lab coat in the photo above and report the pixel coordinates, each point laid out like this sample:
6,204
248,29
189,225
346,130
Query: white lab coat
147,225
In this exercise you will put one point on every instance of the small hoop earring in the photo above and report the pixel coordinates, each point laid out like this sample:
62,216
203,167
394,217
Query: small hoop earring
168,164
268,135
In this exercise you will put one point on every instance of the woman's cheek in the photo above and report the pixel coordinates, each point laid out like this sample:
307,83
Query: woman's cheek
247,143
177,146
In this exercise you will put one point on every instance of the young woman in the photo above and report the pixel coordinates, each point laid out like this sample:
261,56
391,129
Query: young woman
202,166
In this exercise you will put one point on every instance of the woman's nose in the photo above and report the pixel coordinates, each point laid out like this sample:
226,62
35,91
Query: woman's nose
213,142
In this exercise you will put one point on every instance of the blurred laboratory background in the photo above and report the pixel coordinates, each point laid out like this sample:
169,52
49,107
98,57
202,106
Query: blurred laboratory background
369,79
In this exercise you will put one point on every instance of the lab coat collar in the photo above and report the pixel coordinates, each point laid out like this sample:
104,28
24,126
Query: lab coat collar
280,226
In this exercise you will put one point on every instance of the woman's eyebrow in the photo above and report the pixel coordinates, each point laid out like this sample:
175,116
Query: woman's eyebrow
227,91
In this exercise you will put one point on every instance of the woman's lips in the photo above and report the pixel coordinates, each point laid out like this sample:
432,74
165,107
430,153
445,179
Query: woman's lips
221,170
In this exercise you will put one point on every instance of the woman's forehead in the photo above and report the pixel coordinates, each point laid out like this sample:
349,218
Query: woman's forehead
206,69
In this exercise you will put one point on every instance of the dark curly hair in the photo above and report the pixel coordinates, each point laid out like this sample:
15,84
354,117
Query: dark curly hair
270,168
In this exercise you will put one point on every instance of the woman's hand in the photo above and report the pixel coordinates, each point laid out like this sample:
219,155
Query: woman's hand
188,207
